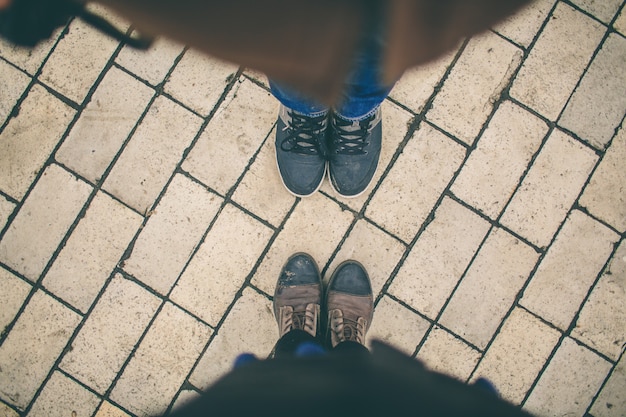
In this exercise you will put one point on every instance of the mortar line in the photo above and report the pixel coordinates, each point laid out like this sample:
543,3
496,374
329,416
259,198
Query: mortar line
239,294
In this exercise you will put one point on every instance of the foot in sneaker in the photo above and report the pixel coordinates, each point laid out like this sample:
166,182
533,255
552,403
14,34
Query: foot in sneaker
301,151
354,153
349,304
298,296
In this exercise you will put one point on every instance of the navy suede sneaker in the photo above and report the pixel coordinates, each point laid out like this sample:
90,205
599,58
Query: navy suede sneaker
301,151
354,153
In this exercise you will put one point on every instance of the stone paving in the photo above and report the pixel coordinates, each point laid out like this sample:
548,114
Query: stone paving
143,223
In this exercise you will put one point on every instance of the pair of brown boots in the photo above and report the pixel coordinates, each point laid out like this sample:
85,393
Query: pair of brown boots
348,301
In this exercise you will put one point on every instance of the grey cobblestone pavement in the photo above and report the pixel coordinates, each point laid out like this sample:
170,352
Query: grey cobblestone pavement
143,223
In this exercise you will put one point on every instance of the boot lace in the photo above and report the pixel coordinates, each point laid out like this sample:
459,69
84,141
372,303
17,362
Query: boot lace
302,320
350,139
306,135
343,328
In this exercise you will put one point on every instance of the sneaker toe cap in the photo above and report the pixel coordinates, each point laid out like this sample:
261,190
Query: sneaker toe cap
302,176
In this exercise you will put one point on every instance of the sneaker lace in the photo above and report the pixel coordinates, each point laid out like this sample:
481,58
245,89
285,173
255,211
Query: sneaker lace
302,320
343,328
306,135
349,139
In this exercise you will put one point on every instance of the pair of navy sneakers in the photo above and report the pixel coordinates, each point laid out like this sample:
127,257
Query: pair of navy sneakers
308,147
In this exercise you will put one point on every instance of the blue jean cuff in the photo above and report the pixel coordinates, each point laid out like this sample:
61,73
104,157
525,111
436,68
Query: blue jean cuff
357,118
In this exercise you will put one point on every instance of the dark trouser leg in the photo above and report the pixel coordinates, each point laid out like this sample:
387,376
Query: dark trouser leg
287,345
350,348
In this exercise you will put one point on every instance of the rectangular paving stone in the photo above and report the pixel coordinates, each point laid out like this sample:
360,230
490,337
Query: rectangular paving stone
395,124
620,22
32,347
439,257
62,397
13,83
29,138
557,61
378,252
568,270
199,80
523,26
104,125
397,326
517,355
151,65
601,323
604,196
6,209
257,76
418,84
492,172
612,399
261,190
171,234
489,288
604,10
109,410
475,83
13,292
6,411
221,265
185,397
442,352
316,227
28,59
110,333
548,191
161,363
233,136
429,160
83,44
47,213
569,383
599,102
238,334
151,156
92,252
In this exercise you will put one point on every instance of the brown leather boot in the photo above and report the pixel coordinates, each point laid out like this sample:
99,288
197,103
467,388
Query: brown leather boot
350,304
298,296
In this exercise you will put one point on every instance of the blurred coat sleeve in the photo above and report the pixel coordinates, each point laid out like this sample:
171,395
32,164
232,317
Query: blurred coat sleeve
309,44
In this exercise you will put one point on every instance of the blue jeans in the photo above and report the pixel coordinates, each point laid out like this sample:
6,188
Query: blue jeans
363,90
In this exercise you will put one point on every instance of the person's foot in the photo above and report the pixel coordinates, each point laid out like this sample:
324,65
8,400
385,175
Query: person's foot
298,296
349,304
301,151
354,153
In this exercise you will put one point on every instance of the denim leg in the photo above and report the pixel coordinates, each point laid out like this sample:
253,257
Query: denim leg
364,92
296,101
